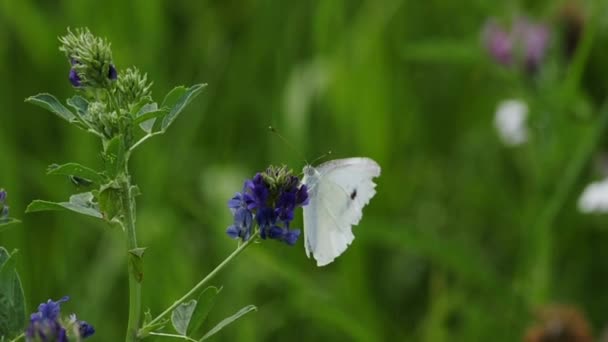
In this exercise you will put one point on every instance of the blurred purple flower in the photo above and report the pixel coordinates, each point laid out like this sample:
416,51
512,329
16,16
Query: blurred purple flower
3,207
527,39
46,326
498,43
534,40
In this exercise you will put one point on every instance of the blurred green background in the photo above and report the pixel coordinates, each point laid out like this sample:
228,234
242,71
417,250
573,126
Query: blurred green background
465,238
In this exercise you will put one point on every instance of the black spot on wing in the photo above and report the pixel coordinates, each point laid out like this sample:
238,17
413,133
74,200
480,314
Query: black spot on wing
353,194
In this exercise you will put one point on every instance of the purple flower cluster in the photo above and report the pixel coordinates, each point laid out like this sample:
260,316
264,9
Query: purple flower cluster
3,206
527,38
269,199
46,325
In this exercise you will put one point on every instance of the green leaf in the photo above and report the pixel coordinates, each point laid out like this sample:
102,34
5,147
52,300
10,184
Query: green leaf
79,104
109,200
135,191
12,301
206,300
50,103
113,156
139,105
147,115
221,325
75,169
177,100
5,222
80,203
136,261
180,317
173,96
147,316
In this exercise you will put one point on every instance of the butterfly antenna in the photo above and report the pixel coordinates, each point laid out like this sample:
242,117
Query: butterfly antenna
322,156
290,145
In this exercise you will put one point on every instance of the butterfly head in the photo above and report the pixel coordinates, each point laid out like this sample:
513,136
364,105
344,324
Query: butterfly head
309,171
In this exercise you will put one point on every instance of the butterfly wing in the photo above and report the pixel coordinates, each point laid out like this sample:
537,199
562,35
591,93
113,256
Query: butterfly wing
338,190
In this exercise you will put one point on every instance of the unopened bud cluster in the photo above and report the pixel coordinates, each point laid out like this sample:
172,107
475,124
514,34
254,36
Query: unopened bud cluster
111,97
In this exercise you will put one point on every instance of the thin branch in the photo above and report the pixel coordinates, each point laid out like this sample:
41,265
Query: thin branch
183,337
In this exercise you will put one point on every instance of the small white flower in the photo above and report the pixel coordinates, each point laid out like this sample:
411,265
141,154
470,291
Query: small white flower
510,122
594,198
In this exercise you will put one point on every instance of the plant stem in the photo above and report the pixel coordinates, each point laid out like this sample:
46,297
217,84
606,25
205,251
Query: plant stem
540,270
542,234
18,338
128,207
203,282
182,337
146,137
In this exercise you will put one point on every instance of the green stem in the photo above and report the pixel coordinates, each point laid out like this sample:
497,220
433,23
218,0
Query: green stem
181,337
202,283
18,338
540,271
128,206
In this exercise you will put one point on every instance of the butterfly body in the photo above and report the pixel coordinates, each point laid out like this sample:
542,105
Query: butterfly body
338,190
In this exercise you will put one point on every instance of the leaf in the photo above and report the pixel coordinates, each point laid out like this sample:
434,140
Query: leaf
221,325
147,316
109,200
135,191
80,203
139,105
177,100
5,222
147,116
136,260
50,103
12,301
113,155
180,317
80,104
75,169
206,300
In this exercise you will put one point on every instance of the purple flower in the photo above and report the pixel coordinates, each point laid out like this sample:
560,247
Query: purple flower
3,207
112,73
74,78
527,39
243,224
269,200
45,330
240,200
302,196
85,329
499,43
257,190
50,309
46,324
535,40
291,236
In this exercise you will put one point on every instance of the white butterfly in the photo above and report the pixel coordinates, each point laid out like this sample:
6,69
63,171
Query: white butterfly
338,191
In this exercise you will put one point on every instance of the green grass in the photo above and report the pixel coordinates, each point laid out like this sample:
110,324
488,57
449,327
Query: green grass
464,239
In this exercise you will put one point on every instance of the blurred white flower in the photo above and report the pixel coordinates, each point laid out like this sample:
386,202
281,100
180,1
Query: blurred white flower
594,198
510,122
